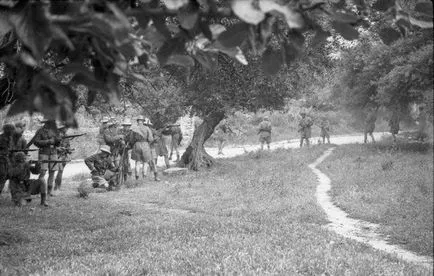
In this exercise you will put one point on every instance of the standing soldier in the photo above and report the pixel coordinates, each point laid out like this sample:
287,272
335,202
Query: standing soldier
63,152
125,131
19,142
221,132
394,123
422,122
102,169
20,184
176,141
158,146
305,128
47,139
325,128
265,132
102,129
114,141
140,139
166,135
370,119
6,143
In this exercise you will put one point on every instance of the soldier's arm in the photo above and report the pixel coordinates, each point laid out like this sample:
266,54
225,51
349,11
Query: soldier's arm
90,162
39,142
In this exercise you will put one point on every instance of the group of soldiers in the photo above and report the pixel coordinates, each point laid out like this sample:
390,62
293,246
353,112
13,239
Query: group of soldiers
110,166
53,154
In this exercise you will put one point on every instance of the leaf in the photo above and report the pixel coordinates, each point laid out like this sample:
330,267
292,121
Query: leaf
31,25
345,30
296,38
271,61
182,60
425,8
389,35
216,30
207,60
290,53
168,48
188,20
91,96
320,37
346,17
245,10
235,35
160,25
175,4
339,4
293,18
383,5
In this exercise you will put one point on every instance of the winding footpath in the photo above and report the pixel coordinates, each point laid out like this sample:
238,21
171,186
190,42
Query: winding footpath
359,230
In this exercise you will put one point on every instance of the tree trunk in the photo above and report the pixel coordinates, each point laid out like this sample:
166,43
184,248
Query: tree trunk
195,155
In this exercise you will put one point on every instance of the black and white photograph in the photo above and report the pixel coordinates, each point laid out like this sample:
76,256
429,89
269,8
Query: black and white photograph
216,137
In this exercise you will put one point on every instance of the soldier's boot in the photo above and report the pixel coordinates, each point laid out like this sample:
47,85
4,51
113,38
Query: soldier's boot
156,177
50,190
44,200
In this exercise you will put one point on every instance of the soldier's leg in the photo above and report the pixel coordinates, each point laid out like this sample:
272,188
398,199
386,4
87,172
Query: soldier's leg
3,175
15,192
58,180
307,142
372,137
136,169
155,170
50,182
301,141
365,140
328,138
44,187
166,161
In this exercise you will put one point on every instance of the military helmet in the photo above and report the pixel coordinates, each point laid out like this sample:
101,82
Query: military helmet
105,119
19,157
105,148
148,122
8,128
126,122
141,117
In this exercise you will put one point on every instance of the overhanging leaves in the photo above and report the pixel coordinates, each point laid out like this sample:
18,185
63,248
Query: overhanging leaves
345,30
235,35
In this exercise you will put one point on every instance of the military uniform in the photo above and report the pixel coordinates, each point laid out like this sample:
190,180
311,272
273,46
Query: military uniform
166,136
21,186
422,120
176,141
102,169
370,120
115,142
141,139
265,132
394,124
305,129
47,139
63,152
125,156
6,143
325,128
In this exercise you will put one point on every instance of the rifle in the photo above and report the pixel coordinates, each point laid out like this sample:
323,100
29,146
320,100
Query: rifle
48,161
23,150
72,136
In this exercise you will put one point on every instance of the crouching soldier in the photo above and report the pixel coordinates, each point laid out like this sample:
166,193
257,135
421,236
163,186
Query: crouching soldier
102,169
20,184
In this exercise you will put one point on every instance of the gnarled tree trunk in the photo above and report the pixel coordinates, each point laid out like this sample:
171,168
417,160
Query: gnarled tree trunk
195,155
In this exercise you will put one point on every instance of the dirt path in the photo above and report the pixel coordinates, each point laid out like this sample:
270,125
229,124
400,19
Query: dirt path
359,230
78,166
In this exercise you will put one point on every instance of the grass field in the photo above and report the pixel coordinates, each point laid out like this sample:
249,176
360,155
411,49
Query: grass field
254,215
392,188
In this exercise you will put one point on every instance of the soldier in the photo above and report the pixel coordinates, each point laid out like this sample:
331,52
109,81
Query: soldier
158,146
6,143
394,123
125,157
21,186
305,128
422,122
115,141
140,139
47,139
221,132
176,141
102,169
102,128
19,142
63,152
325,128
370,119
166,135
265,132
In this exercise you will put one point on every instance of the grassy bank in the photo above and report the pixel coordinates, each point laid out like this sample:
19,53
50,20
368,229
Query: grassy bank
392,188
254,214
